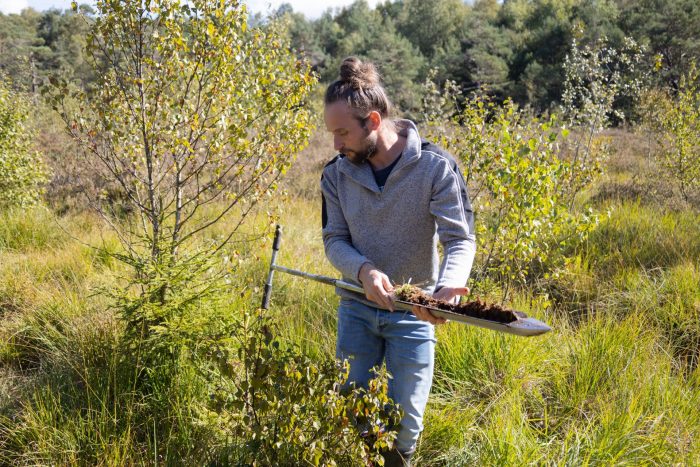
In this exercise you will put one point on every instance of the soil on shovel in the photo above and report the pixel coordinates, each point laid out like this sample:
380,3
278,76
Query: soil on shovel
474,309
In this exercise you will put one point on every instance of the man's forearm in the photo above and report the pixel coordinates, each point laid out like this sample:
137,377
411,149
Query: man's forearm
457,263
344,257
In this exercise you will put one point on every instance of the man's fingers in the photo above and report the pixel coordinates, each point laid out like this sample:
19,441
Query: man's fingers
387,284
419,312
387,301
375,292
451,294
425,315
382,295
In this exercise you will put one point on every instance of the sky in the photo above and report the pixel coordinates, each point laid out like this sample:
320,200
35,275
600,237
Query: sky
312,9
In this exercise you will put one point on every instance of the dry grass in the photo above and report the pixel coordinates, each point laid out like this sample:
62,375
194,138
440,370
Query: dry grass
633,173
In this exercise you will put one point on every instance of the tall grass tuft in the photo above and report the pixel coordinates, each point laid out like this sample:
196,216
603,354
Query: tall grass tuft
26,228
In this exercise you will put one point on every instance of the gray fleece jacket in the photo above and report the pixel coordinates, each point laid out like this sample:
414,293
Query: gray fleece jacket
397,229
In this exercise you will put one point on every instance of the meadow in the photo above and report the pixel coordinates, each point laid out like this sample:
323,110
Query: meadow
616,381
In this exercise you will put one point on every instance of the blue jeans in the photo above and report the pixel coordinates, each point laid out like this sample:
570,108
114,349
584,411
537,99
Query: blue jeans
368,335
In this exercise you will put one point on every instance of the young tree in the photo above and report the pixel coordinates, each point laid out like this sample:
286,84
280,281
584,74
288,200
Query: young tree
195,117
597,78
517,181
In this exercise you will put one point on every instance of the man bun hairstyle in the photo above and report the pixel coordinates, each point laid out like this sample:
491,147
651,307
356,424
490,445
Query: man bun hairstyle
359,85
358,74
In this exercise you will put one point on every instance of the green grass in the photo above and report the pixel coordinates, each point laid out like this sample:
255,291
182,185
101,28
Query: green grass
32,228
616,382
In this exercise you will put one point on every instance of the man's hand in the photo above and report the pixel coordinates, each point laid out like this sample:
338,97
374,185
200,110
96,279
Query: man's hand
377,285
448,294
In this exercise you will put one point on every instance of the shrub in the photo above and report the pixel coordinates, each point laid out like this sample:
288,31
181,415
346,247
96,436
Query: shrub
675,117
275,406
519,185
22,171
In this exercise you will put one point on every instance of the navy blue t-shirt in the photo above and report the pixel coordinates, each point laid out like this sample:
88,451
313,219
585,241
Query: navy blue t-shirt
381,175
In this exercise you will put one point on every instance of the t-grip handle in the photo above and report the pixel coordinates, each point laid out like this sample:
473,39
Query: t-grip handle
268,284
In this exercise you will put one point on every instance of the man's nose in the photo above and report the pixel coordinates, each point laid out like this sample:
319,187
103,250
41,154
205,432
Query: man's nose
337,143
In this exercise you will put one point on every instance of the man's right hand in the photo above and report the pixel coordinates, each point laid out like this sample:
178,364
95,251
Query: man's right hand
377,285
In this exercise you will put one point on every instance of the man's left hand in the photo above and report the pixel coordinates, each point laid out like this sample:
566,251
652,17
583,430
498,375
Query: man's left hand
448,294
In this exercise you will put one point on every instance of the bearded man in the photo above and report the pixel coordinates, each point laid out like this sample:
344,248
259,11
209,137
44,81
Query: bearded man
388,199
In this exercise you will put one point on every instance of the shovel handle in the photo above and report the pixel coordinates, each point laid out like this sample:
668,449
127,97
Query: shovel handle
268,285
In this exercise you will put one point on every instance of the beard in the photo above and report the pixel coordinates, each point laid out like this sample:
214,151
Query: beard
359,156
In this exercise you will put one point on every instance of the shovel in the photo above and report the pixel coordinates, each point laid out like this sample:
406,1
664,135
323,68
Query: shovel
522,326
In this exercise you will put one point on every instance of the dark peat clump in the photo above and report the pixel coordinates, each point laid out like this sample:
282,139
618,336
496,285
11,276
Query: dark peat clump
475,308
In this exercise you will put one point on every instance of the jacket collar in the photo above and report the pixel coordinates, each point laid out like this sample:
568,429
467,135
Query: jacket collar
362,173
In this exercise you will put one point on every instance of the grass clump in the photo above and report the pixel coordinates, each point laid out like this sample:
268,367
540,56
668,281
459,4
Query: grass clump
29,228
636,236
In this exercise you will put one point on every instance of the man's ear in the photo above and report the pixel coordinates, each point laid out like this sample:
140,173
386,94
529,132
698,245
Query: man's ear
373,121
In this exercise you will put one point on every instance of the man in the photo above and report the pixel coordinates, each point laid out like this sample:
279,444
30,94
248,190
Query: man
388,197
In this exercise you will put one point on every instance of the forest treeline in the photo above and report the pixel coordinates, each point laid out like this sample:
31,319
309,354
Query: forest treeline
514,48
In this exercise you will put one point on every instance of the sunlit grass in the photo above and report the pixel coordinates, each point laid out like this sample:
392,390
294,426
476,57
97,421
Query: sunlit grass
616,382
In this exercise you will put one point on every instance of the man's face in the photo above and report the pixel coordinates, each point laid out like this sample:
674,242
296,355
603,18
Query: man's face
350,136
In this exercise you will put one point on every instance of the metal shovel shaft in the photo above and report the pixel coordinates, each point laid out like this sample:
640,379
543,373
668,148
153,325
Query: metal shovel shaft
271,273
316,277
523,326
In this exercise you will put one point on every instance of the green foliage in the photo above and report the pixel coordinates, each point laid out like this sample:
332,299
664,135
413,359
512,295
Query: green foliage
591,392
29,228
302,34
615,382
518,184
517,48
601,81
433,27
597,77
195,110
669,29
195,120
485,54
22,171
21,48
675,116
275,406
543,31
35,44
